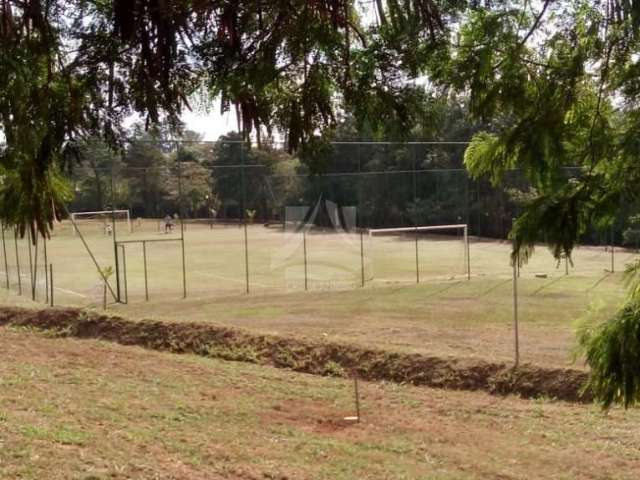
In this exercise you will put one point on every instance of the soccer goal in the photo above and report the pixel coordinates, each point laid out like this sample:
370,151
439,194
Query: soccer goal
102,221
431,241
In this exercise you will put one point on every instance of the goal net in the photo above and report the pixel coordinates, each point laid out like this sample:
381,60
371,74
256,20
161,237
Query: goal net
421,252
102,222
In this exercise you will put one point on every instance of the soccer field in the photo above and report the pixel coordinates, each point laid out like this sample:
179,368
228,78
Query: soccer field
221,260
445,314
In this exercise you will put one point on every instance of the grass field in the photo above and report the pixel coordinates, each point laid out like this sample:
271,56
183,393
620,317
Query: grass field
83,409
216,264
444,315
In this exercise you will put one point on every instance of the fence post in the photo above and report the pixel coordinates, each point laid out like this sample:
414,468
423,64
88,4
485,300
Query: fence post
467,250
4,252
361,257
244,217
357,396
304,249
415,215
613,246
516,263
33,287
35,269
18,262
515,315
144,262
51,283
115,242
46,269
124,273
417,261
182,214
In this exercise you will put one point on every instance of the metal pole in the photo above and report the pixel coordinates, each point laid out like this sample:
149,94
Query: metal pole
91,255
124,273
515,311
246,256
144,262
516,274
18,263
181,209
304,248
417,263
115,244
35,269
415,217
46,270
613,269
362,257
467,251
244,218
4,252
184,268
33,287
357,395
51,284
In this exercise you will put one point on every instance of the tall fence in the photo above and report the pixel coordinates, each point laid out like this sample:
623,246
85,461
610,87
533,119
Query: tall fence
211,218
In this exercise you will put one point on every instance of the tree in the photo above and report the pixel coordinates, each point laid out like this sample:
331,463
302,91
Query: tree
559,86
92,176
238,167
76,68
145,172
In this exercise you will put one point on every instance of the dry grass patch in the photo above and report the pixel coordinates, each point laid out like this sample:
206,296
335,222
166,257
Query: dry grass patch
84,409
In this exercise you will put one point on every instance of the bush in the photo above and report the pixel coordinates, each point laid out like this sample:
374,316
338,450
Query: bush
612,350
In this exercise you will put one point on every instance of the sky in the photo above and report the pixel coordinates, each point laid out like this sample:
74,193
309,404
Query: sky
211,124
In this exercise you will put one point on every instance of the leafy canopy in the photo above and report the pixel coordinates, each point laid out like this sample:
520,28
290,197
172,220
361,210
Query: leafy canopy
76,68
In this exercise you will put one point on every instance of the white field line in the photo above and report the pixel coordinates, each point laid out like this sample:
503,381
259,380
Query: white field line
243,282
70,292
41,282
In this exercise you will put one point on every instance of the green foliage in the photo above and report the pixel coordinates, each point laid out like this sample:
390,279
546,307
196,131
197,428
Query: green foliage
612,350
107,272
632,279
557,82
333,369
251,215
32,202
486,154
74,69
550,111
631,235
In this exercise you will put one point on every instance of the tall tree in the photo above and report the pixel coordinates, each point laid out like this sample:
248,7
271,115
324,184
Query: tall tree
74,68
558,81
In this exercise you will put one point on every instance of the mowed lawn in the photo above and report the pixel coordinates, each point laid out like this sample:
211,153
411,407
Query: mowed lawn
450,319
83,409
445,314
216,264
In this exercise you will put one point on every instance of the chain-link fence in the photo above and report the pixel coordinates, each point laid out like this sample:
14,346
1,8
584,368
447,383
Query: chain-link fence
205,219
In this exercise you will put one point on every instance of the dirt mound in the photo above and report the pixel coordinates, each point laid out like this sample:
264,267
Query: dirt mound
320,358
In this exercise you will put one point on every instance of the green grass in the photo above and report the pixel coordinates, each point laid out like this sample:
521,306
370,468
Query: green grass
90,410
443,315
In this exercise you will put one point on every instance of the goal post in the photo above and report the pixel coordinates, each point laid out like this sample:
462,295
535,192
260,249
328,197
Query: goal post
463,227
106,216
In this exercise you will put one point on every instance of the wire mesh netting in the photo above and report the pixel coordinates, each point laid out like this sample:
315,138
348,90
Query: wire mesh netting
170,219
